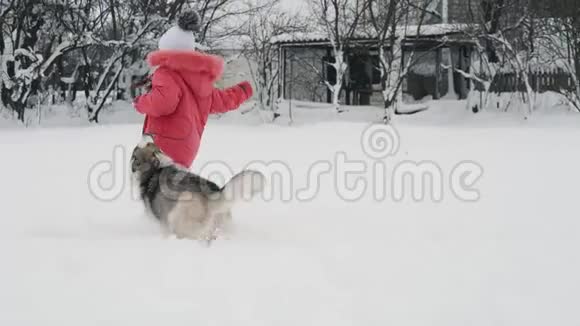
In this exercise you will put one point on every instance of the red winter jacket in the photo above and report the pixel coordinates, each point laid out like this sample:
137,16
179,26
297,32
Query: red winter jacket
181,98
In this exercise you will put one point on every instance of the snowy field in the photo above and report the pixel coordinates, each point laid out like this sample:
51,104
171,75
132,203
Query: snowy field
509,258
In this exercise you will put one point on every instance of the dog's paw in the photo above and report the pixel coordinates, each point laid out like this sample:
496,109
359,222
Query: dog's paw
208,241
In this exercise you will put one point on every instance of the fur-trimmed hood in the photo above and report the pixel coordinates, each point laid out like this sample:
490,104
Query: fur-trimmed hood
188,61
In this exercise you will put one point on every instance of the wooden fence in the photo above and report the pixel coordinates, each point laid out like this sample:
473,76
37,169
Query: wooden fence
540,81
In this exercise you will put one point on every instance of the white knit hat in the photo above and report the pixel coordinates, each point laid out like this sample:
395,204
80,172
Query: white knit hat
182,35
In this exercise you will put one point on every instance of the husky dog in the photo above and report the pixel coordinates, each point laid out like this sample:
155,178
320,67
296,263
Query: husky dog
186,204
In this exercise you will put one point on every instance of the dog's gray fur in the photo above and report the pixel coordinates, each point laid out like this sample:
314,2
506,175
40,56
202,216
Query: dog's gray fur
186,204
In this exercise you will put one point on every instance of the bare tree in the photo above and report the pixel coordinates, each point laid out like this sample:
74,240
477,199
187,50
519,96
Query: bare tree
504,34
389,20
28,48
339,21
263,27
127,42
35,37
558,40
226,18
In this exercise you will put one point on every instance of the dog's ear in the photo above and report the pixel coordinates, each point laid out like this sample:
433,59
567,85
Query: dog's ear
153,148
146,140
155,162
156,149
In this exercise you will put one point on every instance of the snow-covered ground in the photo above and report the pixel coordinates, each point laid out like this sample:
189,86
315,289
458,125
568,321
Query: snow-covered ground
509,258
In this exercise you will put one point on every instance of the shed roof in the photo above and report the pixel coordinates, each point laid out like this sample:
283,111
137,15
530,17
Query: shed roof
432,30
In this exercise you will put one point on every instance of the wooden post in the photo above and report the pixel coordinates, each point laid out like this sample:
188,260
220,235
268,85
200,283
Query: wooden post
280,71
346,77
324,71
481,92
291,86
285,57
438,74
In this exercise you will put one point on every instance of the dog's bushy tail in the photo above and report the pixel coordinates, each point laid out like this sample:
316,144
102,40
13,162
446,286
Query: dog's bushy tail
241,187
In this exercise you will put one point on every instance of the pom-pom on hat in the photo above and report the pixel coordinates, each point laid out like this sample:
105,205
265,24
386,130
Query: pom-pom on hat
182,35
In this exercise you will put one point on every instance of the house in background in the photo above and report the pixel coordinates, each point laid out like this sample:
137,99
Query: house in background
440,43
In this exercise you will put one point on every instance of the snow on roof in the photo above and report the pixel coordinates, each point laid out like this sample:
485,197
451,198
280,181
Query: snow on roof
431,30
402,31
300,37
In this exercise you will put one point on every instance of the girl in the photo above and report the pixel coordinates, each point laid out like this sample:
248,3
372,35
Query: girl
182,95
